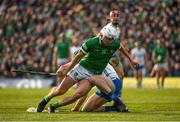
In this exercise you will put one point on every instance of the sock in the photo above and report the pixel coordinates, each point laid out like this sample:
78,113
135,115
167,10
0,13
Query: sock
46,98
56,105
109,108
113,96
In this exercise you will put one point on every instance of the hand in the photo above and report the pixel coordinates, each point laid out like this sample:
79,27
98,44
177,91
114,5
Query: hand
74,110
134,63
63,70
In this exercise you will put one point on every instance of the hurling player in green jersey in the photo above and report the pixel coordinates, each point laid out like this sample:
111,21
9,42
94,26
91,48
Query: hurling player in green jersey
160,68
91,60
114,16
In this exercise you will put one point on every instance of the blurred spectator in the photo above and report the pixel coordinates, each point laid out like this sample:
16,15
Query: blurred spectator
61,54
74,47
29,29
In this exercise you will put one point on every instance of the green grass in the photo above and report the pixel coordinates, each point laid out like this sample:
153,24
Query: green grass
144,104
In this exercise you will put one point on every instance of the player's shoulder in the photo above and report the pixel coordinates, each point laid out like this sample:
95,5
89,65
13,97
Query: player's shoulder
143,49
134,49
93,40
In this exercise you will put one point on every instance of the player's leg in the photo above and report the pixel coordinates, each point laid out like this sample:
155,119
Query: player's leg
140,75
118,103
157,74
107,87
153,72
137,78
103,83
59,90
158,78
79,102
96,80
83,88
163,75
93,103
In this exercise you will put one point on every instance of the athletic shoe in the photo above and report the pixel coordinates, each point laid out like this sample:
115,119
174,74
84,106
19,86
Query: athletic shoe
120,106
51,109
41,105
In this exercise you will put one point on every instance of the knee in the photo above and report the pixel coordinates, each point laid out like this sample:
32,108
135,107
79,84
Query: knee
91,80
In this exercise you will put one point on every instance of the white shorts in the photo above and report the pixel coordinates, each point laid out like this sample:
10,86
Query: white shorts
79,73
160,66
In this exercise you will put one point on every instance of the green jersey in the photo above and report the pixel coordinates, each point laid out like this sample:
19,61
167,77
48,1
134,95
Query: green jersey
63,49
97,55
160,54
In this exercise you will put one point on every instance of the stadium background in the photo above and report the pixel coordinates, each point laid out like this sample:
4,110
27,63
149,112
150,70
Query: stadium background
29,30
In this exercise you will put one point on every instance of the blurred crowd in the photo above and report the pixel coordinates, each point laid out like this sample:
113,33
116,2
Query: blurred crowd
29,29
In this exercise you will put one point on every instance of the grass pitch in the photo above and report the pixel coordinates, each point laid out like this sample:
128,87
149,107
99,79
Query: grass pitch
144,104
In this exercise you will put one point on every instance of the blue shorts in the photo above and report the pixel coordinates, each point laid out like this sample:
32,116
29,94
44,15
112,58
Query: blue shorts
118,88
141,67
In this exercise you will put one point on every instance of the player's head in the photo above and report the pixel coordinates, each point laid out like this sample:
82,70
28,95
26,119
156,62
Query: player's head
61,36
108,34
159,43
137,44
114,17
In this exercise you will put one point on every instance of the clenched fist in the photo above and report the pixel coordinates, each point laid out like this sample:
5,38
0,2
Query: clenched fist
63,70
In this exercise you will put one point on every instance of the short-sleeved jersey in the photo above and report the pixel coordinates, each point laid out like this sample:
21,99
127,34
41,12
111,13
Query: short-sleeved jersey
63,49
97,55
160,54
139,55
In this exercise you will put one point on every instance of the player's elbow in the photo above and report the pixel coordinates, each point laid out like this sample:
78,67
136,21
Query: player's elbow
122,76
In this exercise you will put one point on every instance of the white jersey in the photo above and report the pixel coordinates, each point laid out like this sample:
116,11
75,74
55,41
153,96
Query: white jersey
110,72
116,29
139,55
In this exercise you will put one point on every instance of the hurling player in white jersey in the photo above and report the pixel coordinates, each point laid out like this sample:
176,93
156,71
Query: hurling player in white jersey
139,54
114,23
95,102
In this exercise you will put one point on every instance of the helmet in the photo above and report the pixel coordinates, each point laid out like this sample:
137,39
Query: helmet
110,31
114,12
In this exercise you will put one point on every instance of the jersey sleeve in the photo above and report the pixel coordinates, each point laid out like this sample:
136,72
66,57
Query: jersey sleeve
86,46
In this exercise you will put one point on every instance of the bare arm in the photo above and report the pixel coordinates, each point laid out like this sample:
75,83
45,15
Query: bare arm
117,67
119,71
64,69
153,57
126,53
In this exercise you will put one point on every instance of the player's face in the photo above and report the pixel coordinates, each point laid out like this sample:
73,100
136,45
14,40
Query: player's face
107,41
137,44
114,18
159,43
